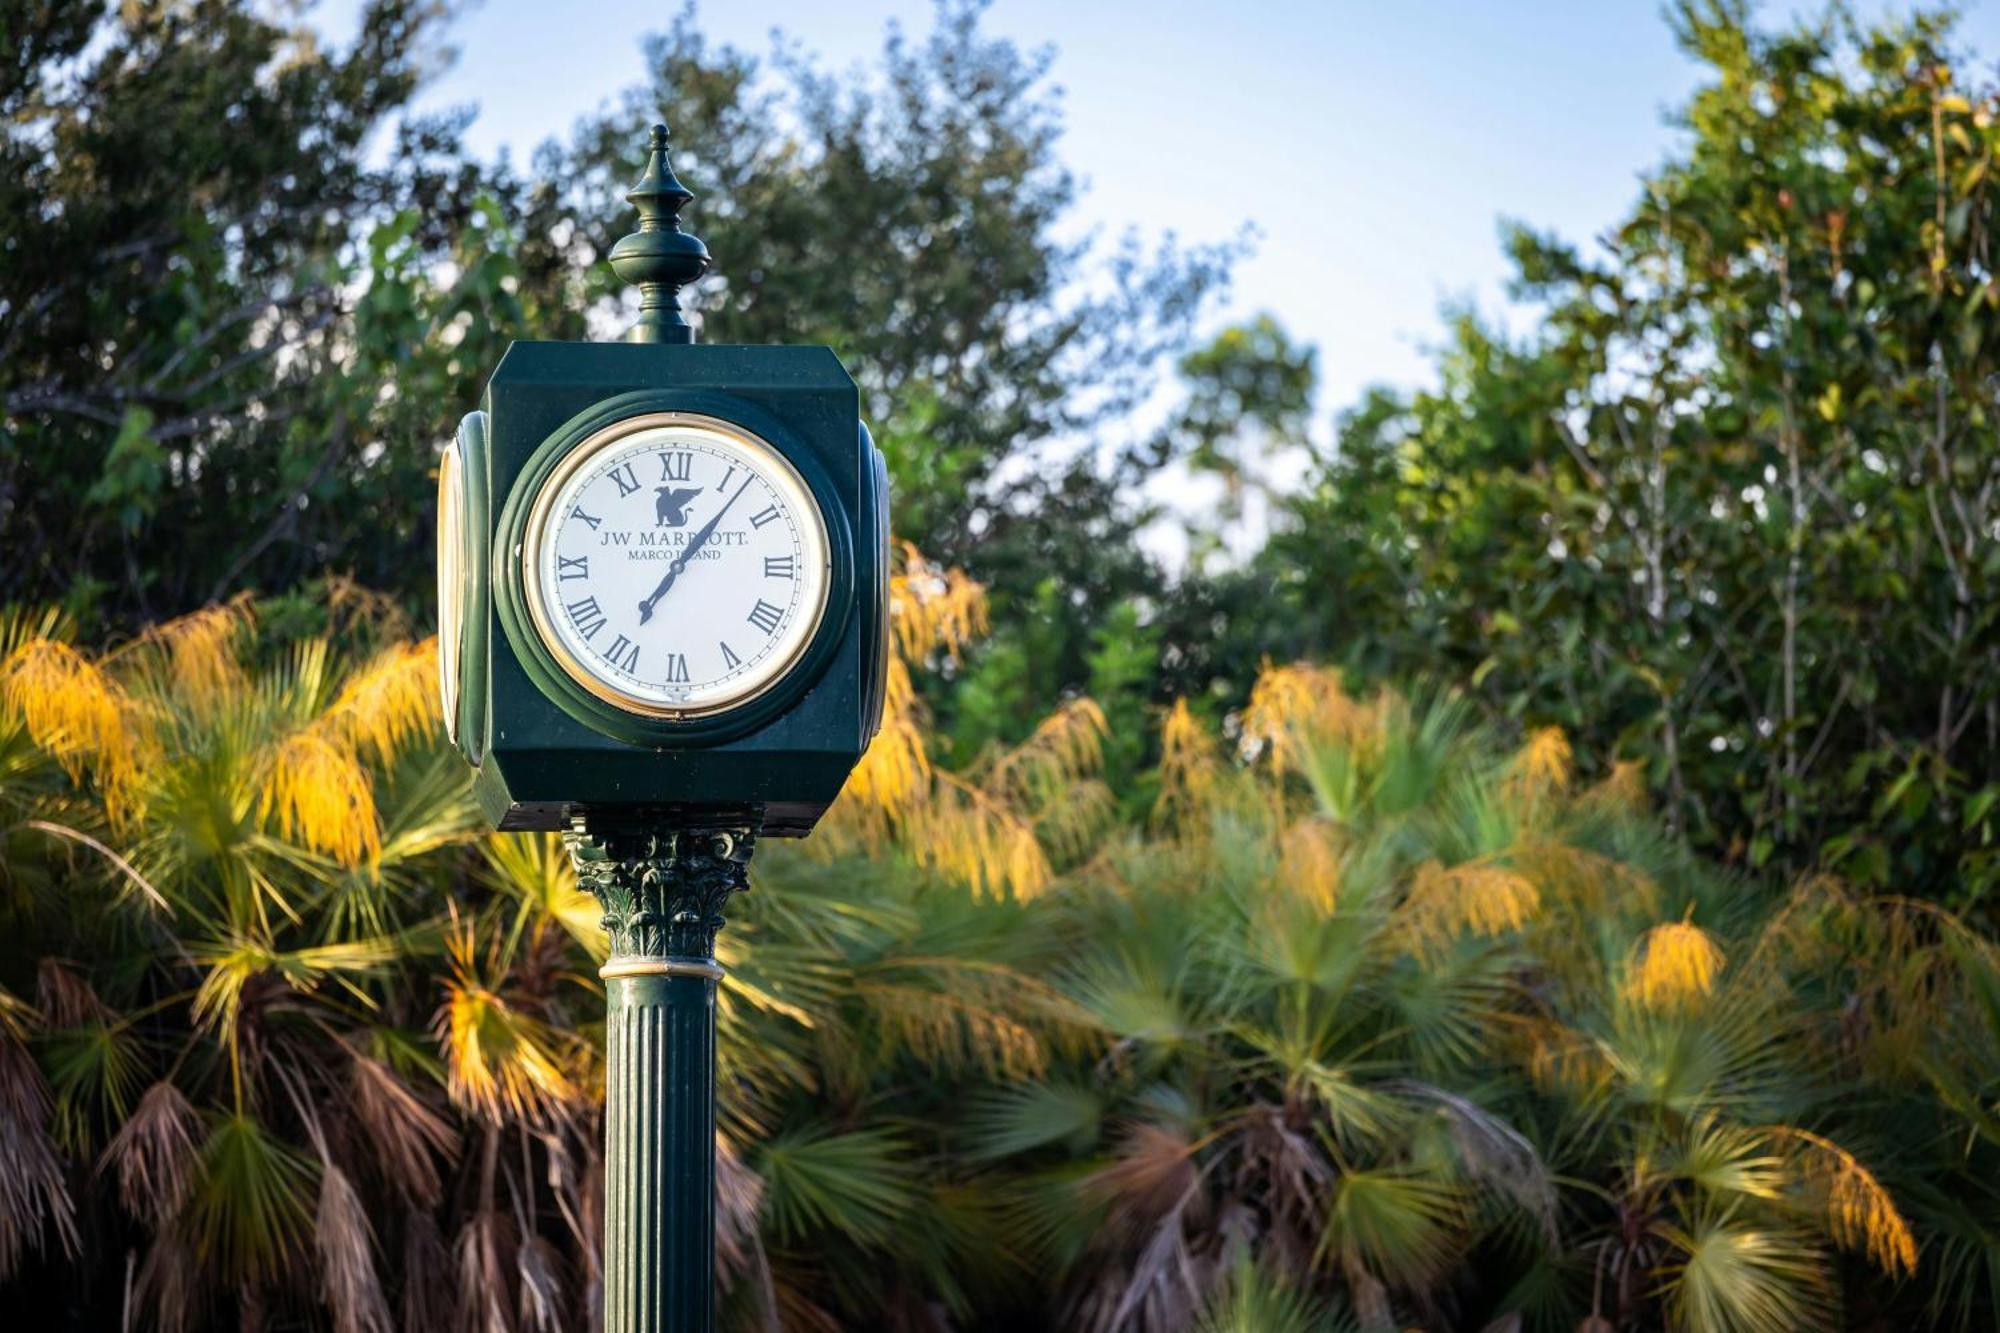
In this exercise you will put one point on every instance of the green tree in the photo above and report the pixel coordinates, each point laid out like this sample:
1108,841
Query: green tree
1730,507
198,336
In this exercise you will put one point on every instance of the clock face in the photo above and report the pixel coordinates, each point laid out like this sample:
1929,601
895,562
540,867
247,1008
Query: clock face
675,565
450,582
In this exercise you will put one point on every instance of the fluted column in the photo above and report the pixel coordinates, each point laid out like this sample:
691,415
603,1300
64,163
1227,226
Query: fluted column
663,890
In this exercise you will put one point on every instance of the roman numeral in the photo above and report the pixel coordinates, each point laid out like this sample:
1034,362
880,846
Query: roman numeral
723,485
627,479
578,513
677,669
572,567
765,616
763,516
676,467
729,658
779,566
624,654
587,617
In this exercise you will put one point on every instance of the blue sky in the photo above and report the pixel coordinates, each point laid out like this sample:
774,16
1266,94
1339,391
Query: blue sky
1376,144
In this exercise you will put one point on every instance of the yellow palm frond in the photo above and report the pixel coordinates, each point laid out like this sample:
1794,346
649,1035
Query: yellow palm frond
1297,706
1189,769
500,1061
202,650
1860,1212
895,772
1675,964
1445,902
320,796
933,609
1309,863
75,711
977,840
1065,748
1542,765
390,700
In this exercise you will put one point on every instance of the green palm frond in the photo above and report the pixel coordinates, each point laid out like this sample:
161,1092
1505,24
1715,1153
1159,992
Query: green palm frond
1395,1225
816,1180
252,1206
1023,1117
1733,1276
1257,1300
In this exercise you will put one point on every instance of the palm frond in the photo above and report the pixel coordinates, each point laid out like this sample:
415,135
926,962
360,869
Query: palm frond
251,1210
855,1184
1732,1276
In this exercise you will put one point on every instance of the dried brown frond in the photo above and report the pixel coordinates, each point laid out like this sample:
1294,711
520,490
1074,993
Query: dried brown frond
1445,902
1309,855
428,1292
346,1245
320,796
1585,883
1557,1057
78,713
389,701
1151,1175
353,606
481,1253
34,1192
1674,964
405,1135
1860,1212
1189,769
66,997
968,1023
540,1265
1623,788
739,1194
932,609
156,1153
169,1286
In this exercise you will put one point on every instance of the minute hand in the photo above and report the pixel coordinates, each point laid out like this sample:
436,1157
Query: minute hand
687,552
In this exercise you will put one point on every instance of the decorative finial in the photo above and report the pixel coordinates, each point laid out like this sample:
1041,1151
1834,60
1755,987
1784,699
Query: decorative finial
659,257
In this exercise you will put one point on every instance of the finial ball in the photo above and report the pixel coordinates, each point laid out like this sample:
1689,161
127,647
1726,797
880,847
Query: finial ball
661,137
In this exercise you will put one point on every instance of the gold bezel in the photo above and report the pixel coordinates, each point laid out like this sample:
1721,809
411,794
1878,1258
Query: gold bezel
597,442
451,576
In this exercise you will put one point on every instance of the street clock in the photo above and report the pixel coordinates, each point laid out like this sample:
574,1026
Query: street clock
662,568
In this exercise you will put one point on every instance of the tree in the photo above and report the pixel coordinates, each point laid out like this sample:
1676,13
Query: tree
1729,509
193,393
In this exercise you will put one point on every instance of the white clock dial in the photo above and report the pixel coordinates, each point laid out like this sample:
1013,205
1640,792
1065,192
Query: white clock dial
676,565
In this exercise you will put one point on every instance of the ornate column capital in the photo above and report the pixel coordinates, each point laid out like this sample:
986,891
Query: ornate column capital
663,889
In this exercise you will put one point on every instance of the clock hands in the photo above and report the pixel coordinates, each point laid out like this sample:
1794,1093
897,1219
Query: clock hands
687,552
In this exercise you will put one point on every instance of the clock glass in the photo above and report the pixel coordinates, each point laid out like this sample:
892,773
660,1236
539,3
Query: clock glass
450,582
675,565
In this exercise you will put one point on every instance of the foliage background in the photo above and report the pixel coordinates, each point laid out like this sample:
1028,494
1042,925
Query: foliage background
1142,978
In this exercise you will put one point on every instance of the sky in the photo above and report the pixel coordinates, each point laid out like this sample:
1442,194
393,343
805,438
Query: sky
1376,145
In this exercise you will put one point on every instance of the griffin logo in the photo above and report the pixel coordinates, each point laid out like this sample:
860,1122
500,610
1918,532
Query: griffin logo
671,509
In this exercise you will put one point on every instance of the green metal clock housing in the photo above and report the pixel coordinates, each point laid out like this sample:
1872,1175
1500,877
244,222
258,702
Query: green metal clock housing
546,748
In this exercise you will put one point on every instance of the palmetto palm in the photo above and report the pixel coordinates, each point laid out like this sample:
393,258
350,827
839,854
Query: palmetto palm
1373,1020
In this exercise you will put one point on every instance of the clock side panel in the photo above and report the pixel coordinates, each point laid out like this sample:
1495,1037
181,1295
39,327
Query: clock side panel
474,468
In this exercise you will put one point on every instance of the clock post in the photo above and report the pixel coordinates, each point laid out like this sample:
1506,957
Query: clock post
663,604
